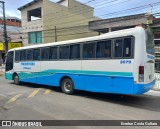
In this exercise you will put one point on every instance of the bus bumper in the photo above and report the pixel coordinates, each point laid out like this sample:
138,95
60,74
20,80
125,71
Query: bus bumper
142,88
8,76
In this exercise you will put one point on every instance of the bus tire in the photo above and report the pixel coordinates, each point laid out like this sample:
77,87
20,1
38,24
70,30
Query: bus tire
16,79
67,86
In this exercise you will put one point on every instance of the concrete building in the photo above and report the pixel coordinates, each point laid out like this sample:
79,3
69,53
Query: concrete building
11,21
156,29
13,26
44,21
118,23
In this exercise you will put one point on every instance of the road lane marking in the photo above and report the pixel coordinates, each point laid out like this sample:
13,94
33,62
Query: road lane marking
47,91
12,93
14,98
34,93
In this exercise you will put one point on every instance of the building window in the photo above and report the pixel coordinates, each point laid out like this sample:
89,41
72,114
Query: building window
35,37
34,14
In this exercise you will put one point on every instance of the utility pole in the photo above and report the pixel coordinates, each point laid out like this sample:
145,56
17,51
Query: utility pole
4,28
55,32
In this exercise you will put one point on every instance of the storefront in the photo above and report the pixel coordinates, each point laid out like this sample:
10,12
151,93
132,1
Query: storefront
2,53
14,45
156,30
10,46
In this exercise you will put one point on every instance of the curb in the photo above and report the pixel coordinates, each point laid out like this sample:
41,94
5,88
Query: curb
1,73
156,89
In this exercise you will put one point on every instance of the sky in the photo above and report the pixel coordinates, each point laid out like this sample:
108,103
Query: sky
102,8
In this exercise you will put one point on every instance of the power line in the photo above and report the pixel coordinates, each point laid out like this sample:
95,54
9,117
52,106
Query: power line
63,29
112,13
90,1
72,10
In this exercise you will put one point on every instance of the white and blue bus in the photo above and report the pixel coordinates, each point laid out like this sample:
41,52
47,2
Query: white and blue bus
119,62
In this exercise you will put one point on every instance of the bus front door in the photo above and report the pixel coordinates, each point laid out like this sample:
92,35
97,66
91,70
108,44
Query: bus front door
9,61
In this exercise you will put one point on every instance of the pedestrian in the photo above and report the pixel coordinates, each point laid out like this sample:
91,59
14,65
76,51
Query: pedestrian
1,62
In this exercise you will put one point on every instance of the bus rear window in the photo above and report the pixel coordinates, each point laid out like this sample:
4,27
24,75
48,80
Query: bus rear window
127,47
149,41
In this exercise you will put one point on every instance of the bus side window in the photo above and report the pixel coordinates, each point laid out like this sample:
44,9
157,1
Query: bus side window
53,53
75,51
64,52
29,54
89,50
103,49
44,53
23,55
118,48
17,56
36,54
127,45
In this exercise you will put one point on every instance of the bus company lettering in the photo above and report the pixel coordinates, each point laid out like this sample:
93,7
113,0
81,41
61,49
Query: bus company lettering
27,65
150,57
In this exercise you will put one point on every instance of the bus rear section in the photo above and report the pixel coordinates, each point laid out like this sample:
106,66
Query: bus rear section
146,79
144,64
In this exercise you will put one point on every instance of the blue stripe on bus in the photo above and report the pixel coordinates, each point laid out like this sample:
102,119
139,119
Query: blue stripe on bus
48,72
93,83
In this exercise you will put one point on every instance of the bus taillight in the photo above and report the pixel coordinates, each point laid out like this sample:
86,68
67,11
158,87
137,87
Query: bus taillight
141,73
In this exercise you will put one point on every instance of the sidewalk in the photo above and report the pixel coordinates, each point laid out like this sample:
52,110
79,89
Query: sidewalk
2,70
153,93
156,89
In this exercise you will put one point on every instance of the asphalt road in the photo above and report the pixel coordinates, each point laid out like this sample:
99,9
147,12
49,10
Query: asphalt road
39,102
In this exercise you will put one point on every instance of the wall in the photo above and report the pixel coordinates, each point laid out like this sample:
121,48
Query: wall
59,16
11,23
30,26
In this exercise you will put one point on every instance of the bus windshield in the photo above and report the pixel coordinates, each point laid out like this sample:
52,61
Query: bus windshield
149,41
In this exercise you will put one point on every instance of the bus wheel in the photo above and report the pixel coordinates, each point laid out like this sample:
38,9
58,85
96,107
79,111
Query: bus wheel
16,79
67,86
